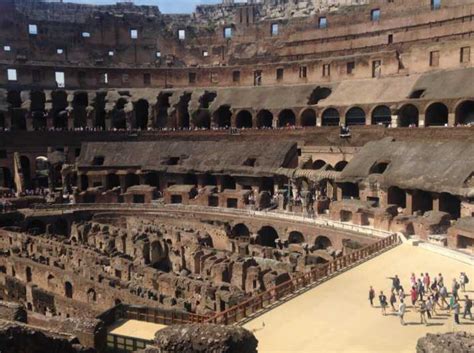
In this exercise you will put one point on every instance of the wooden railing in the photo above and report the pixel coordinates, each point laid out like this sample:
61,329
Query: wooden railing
260,301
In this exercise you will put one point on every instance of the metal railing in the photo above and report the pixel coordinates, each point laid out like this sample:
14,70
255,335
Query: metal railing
278,293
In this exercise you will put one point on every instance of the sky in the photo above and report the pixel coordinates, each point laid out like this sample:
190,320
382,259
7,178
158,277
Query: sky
166,6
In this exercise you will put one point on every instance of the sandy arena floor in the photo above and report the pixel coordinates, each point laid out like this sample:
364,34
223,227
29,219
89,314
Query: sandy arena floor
337,317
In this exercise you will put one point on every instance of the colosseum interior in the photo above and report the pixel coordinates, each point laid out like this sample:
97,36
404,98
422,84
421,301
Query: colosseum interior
136,202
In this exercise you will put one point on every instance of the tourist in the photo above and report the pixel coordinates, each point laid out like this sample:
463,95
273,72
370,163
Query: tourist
422,311
440,280
393,300
443,294
420,288
455,288
401,311
452,300
371,296
463,280
456,308
429,307
383,302
401,293
395,282
413,280
467,307
413,295
427,282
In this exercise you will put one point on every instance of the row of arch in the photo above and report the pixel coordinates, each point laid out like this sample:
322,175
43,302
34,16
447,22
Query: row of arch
268,235
436,113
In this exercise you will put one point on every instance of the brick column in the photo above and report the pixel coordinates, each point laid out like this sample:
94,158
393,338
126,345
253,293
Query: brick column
409,202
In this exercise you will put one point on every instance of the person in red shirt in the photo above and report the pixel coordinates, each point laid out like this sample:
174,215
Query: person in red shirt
427,282
414,295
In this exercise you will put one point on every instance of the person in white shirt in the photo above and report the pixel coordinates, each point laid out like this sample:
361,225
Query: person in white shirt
401,311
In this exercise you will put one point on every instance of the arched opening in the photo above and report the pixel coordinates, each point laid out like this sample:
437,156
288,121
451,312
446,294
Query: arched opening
6,179
113,181
16,111
209,179
182,111
51,281
267,236
339,167
465,113
408,115
381,115
141,114
99,109
422,201
318,94
131,180
228,182
29,274
295,238
91,296
264,119
346,216
308,118
37,107
223,116
79,105
244,119
436,115
286,118
59,112
240,230
61,227
84,179
68,290
355,116
190,179
322,242
349,190
202,119
26,171
330,117
450,204
162,106
152,179
396,196
159,257
318,164
36,227
42,171
379,168
119,116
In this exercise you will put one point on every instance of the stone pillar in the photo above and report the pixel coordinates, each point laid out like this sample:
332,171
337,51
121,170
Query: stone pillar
436,203
319,120
70,118
151,117
409,202
29,121
108,120
142,179
394,120
123,185
451,119
421,120
90,111
338,192
8,120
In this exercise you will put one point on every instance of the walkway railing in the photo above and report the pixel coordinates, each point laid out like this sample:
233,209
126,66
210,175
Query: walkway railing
276,294
245,212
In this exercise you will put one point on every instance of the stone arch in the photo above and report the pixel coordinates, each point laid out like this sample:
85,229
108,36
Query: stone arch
308,118
296,237
339,167
408,115
6,179
240,230
61,227
450,204
112,180
131,179
162,106
80,103
223,116
322,242
330,117
209,179
228,182
119,116
36,226
51,281
99,110
266,236
244,119
37,108
318,164
355,116
202,119
91,295
190,179
436,114
381,114
396,196
68,290
465,112
286,118
17,113
141,114
26,170
264,119
60,116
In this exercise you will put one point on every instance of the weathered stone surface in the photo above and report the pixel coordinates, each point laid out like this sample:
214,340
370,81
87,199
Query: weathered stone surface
12,312
458,342
205,338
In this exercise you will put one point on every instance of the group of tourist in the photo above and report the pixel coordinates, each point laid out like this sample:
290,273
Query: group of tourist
427,295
